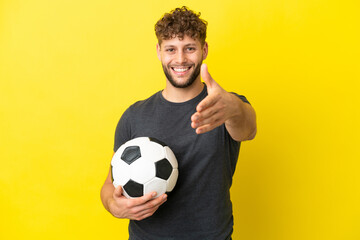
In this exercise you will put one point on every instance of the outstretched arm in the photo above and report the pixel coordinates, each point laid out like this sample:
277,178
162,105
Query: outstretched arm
221,107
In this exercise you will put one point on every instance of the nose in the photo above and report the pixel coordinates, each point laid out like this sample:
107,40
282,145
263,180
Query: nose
180,57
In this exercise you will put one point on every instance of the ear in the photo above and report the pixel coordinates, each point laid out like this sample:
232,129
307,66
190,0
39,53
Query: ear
158,51
205,50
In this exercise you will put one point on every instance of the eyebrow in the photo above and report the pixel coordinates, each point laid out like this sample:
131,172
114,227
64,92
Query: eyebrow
187,45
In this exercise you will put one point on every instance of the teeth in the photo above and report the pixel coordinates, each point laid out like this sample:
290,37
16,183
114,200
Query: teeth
180,69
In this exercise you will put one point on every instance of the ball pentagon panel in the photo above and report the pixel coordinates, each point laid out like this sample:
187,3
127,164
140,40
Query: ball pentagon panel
163,169
131,154
133,189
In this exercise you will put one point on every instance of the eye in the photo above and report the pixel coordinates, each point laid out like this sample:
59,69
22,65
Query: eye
170,50
190,49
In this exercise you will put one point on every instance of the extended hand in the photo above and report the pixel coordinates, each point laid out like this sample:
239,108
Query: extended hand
136,208
216,108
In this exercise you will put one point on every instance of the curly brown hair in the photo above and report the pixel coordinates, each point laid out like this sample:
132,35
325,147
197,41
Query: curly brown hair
179,22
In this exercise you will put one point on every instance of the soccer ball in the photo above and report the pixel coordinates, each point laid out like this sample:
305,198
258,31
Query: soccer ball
143,165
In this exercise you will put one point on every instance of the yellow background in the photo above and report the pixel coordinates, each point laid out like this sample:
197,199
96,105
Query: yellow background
68,69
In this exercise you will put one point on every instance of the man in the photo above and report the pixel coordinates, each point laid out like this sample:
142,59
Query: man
203,125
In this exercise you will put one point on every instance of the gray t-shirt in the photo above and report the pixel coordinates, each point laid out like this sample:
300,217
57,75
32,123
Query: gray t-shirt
199,207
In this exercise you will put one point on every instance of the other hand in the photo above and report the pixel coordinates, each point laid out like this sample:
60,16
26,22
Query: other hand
216,108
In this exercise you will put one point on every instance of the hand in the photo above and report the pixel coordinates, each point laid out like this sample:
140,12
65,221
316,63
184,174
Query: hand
136,208
218,107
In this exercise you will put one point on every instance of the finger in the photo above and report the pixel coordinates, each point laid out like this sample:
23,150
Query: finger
216,118
207,102
195,117
209,112
150,206
142,200
154,203
198,120
207,107
206,77
118,192
208,127
209,118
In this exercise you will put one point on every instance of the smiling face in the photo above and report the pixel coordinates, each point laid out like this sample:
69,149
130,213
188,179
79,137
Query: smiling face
181,60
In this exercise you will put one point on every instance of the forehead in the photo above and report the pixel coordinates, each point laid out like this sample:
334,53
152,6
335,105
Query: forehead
176,41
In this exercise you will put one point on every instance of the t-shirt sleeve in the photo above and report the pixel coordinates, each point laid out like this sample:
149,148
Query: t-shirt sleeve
123,130
242,97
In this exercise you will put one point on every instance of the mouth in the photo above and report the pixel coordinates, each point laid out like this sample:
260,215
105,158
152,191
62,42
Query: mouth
181,70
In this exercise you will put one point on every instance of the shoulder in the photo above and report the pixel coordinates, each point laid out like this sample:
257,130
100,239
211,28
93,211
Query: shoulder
141,109
148,102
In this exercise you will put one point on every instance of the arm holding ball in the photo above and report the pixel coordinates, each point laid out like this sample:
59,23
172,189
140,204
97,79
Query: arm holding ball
121,207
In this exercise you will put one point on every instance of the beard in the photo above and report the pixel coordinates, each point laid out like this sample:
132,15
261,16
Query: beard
188,82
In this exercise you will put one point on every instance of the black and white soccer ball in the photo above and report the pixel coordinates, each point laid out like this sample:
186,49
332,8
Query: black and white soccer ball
143,165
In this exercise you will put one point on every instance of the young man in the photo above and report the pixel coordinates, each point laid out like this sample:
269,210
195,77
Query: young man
203,125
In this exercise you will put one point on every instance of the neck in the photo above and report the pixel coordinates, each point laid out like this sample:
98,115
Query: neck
177,95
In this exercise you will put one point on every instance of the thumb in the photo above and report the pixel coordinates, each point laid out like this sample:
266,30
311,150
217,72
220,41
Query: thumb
206,77
118,192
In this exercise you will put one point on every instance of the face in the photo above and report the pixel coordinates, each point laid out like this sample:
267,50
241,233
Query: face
181,60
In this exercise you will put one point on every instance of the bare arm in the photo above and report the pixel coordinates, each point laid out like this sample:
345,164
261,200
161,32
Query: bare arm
121,207
242,125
